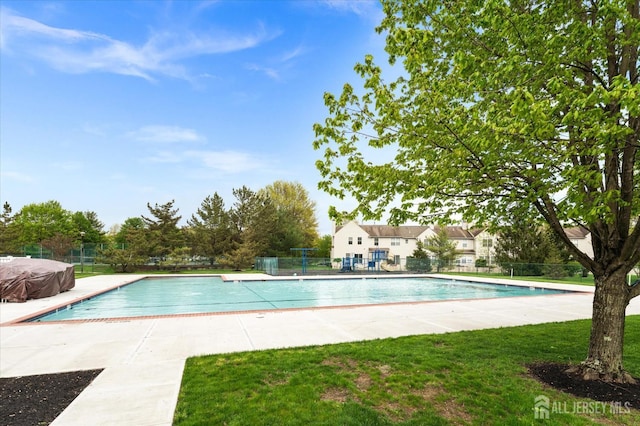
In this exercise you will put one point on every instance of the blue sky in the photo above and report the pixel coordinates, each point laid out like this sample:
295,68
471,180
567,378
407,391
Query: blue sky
105,106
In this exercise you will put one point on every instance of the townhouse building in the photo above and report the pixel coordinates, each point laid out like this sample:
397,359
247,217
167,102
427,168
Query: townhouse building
362,244
367,243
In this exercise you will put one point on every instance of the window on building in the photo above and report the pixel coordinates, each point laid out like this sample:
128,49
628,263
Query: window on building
395,241
464,244
406,241
487,242
359,241
357,258
376,241
350,240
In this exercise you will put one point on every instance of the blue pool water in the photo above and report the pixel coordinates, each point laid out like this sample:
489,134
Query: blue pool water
184,295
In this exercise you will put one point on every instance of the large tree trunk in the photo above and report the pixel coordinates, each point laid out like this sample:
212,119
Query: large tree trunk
604,361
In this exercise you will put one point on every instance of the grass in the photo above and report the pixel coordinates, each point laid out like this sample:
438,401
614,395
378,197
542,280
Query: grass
577,279
476,378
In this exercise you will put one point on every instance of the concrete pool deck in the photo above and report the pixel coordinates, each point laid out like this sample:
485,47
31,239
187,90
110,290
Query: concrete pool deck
143,359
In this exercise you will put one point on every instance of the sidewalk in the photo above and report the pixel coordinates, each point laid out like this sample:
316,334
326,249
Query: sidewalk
143,359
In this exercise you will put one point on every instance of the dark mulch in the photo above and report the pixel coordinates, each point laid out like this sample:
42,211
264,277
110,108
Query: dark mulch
38,400
555,375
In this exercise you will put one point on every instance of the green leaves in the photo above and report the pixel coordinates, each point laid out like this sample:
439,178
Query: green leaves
500,109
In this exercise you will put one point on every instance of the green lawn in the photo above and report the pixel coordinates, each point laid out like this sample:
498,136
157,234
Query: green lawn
565,280
475,377
576,279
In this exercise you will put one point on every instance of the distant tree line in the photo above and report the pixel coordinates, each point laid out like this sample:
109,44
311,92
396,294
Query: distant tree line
267,222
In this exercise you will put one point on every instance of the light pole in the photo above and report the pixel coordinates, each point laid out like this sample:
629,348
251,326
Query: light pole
82,251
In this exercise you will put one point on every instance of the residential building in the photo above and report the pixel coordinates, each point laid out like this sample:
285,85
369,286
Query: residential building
362,244
366,243
581,238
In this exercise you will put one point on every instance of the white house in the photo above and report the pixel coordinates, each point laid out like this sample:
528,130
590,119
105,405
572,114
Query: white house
362,244
368,243
581,238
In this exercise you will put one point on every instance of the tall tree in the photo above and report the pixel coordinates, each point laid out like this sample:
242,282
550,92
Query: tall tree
297,223
503,109
131,223
420,260
254,221
88,223
523,243
442,248
59,245
323,246
210,228
130,248
39,221
9,233
162,229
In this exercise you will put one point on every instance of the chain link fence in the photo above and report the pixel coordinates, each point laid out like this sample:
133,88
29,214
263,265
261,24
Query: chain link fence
323,266
83,256
86,257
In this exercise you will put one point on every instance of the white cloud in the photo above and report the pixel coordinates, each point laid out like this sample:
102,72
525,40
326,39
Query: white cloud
77,51
18,26
368,9
268,71
16,176
68,165
165,157
94,130
165,134
287,56
280,63
359,7
210,163
227,161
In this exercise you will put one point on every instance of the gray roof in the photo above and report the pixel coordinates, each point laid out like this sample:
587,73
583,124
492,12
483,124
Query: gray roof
577,232
393,231
414,231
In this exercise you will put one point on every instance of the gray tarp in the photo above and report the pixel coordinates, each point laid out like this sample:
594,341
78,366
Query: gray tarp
24,278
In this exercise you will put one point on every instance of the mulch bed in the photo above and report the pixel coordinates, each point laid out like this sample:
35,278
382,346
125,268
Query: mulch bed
555,375
38,400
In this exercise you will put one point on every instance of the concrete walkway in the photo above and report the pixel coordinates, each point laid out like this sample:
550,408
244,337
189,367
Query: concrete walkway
143,359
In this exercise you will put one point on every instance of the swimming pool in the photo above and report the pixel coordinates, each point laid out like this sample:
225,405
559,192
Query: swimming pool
192,295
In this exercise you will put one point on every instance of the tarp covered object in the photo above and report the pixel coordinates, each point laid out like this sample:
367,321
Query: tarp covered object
24,278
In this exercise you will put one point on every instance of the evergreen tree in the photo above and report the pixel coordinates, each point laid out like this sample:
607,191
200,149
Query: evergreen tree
9,232
162,232
254,221
523,247
419,260
210,228
442,248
